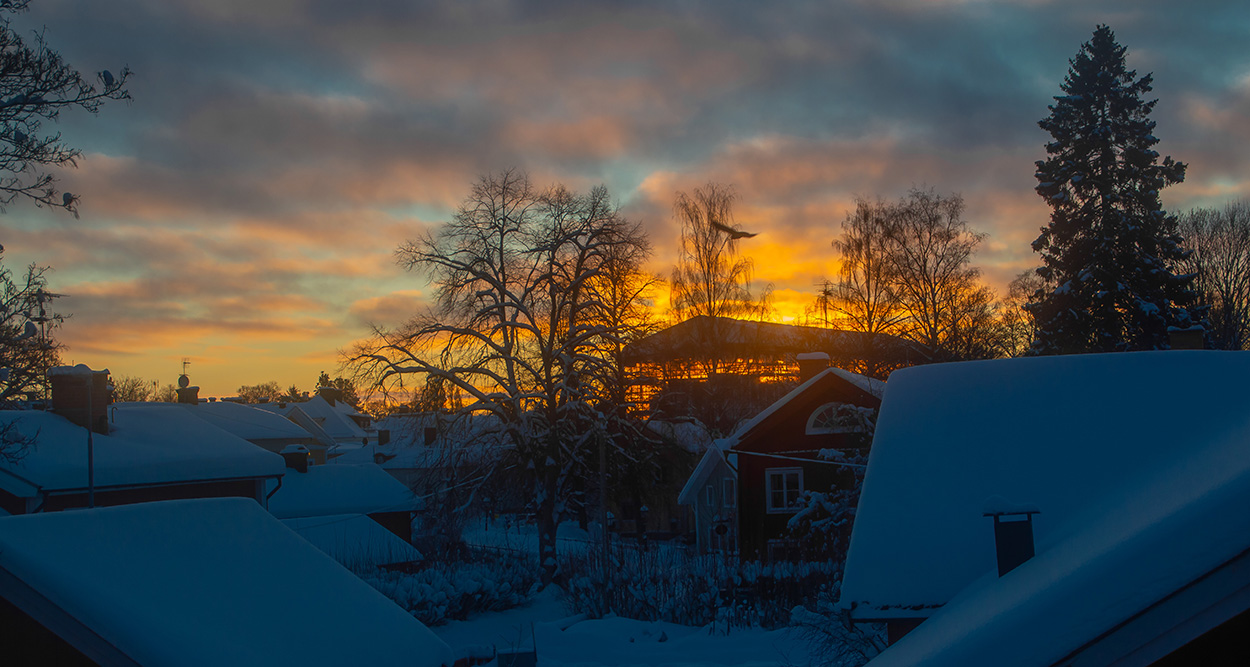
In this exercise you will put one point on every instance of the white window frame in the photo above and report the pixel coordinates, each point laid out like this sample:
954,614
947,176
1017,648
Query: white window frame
812,429
768,489
729,489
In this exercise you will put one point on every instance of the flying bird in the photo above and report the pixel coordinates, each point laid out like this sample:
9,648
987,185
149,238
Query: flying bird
734,234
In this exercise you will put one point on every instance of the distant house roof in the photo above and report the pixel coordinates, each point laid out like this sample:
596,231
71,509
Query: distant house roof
245,421
201,582
745,339
147,444
340,489
336,420
713,459
354,540
458,440
1136,461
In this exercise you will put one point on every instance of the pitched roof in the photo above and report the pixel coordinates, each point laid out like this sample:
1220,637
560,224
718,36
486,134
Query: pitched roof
206,582
1121,453
148,444
742,339
354,540
244,421
340,489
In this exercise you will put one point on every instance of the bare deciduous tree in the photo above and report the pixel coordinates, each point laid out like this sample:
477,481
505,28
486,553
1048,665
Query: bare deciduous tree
35,86
131,388
906,271
711,278
260,393
1219,241
518,330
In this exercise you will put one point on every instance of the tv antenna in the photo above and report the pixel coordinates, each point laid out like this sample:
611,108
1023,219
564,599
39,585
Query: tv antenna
183,380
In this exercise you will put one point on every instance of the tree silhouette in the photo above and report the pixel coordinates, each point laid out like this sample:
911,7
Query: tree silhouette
1110,252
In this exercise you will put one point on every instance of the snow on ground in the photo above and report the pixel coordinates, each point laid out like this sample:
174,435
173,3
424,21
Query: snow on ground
570,641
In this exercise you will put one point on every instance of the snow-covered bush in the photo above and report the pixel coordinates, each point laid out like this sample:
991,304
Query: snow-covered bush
455,590
668,584
835,641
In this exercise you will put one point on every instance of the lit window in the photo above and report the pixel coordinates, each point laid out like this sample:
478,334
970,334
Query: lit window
784,485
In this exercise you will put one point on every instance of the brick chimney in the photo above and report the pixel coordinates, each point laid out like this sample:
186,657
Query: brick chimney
73,388
810,364
330,394
296,457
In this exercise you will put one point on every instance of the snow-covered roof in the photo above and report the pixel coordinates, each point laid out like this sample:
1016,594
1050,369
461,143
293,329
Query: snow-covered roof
146,445
715,457
1105,446
244,421
354,540
335,419
208,582
340,489
460,440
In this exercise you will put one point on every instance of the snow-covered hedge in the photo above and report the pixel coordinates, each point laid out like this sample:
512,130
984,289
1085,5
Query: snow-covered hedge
669,585
457,589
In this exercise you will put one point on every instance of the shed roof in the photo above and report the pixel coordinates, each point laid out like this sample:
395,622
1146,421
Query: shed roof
207,582
1104,445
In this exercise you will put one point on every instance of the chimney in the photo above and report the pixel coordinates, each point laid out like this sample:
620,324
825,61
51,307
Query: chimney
810,364
82,396
296,457
1013,532
186,393
1186,339
330,394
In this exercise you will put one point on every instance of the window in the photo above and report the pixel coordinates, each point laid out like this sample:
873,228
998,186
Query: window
710,494
783,488
836,418
730,492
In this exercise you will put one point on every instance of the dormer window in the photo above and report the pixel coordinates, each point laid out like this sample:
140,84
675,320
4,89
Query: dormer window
837,418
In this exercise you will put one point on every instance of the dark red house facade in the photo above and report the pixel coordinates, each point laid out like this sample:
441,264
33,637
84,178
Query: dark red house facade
779,453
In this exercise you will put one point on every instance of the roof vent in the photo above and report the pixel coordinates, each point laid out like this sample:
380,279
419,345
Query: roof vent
1013,532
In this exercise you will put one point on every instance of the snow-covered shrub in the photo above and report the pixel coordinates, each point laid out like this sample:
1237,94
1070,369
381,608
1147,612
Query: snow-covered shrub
834,640
667,584
457,589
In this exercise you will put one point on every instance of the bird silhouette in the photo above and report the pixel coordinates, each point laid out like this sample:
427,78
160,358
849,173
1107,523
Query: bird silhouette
734,234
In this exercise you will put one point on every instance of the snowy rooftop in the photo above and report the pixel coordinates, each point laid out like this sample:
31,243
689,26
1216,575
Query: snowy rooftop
354,540
146,445
1105,446
209,582
459,441
334,419
340,489
247,422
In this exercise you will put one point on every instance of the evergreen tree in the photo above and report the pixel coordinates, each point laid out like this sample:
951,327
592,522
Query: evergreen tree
1110,250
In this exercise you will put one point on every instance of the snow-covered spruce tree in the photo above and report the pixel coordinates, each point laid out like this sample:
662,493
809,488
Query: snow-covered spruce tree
1110,252
518,330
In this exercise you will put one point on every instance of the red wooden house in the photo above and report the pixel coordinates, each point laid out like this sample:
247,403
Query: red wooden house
777,455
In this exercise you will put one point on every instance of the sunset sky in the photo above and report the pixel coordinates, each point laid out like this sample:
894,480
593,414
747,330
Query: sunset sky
243,209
